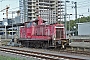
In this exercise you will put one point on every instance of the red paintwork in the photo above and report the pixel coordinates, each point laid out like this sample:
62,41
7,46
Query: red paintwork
40,31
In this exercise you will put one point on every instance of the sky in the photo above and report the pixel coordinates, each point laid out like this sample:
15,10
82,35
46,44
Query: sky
82,8
13,4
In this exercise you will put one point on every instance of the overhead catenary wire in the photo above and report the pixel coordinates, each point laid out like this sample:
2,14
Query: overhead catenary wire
6,0
84,1
11,8
81,5
86,6
2,0
14,8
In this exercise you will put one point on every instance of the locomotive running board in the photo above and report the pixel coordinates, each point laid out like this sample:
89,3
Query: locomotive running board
33,39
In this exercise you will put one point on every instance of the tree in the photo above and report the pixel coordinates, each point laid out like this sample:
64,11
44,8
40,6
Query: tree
79,20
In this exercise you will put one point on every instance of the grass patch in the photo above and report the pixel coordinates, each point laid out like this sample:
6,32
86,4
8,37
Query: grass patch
8,58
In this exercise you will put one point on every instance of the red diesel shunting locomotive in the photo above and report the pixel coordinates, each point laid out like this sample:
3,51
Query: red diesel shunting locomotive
38,34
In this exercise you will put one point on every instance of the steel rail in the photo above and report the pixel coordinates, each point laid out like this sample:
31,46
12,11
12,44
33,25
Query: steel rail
38,54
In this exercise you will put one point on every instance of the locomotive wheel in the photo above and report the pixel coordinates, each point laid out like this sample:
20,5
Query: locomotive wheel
45,45
35,44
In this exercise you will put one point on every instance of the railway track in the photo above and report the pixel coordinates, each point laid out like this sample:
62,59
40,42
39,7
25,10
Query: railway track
74,52
46,56
78,52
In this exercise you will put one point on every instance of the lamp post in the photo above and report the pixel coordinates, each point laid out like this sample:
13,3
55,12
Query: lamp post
74,30
79,17
65,17
69,20
75,8
12,25
13,12
5,23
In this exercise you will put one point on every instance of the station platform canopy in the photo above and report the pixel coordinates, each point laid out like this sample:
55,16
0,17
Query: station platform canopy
14,25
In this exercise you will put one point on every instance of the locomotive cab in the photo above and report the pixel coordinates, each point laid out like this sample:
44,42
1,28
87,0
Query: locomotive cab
59,36
39,21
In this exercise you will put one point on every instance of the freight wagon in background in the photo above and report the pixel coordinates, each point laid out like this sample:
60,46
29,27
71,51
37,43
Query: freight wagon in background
39,35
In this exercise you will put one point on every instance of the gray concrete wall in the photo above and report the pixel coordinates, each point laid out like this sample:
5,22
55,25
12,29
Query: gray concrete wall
80,44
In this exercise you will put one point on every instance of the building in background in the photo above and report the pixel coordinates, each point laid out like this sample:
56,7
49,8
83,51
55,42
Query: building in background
23,4
9,21
84,28
1,29
49,10
17,20
1,22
